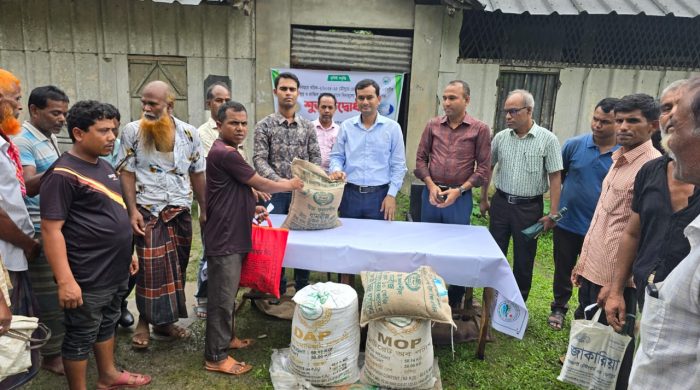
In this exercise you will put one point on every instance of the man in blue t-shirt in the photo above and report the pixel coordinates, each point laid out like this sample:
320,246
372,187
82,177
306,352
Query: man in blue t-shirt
587,159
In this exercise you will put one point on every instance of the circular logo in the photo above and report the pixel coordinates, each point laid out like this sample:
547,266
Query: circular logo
412,281
583,338
386,80
385,109
323,198
508,312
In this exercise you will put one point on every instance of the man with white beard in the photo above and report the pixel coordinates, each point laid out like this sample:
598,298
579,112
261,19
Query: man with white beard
653,242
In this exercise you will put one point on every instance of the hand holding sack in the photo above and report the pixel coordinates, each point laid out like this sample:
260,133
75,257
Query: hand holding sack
16,345
263,265
316,206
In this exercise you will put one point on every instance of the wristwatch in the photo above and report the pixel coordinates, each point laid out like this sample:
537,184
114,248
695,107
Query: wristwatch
462,190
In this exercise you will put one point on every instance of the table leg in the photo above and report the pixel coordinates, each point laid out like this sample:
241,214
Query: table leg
485,322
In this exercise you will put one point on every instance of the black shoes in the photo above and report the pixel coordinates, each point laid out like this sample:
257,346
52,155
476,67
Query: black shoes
126,319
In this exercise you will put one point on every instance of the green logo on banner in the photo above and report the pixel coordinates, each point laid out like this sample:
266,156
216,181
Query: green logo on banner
338,77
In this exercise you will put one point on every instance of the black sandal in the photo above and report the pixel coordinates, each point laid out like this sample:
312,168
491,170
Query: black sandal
556,320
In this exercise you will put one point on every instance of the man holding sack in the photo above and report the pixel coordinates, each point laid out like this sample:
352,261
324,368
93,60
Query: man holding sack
227,233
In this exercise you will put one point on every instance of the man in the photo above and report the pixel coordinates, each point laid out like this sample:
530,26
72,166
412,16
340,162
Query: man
369,154
280,138
453,157
661,208
38,149
217,94
87,241
636,118
17,245
157,183
529,163
668,354
587,159
326,128
227,233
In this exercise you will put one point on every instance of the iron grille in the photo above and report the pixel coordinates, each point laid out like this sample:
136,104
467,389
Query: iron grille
620,41
542,85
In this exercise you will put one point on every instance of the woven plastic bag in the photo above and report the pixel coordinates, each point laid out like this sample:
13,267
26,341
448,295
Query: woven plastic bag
594,355
263,265
16,345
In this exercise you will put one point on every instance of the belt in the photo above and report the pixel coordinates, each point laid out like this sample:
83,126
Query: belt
448,185
366,189
514,199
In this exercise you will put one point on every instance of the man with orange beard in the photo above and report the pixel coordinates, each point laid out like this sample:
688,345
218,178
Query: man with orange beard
17,245
161,162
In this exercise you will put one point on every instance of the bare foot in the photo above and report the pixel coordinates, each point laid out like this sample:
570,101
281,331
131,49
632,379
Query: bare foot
141,335
53,364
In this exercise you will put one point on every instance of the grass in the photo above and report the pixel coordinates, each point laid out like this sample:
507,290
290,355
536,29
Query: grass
531,363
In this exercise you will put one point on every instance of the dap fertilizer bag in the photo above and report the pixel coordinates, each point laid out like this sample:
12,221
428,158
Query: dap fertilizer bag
419,294
399,354
316,206
325,335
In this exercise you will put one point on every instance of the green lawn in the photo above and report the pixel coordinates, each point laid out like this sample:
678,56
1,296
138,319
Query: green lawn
531,363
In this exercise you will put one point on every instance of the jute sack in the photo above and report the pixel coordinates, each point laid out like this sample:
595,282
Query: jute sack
325,342
316,206
399,354
419,294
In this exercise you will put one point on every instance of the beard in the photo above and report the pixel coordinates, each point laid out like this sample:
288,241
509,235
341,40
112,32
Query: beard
157,134
664,143
9,125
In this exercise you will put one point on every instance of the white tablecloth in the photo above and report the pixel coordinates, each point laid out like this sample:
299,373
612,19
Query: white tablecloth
462,255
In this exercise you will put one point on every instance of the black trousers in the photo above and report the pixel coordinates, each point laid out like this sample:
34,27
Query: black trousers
224,274
567,248
508,220
587,295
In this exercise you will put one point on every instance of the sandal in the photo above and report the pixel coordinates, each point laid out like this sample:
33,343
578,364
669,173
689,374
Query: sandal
172,332
556,320
128,379
140,340
237,343
229,366
200,311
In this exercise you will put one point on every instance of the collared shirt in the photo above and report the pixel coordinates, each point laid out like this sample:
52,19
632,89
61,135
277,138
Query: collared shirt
370,157
40,152
163,179
661,238
208,133
448,155
599,253
12,203
668,357
278,142
524,163
326,140
585,168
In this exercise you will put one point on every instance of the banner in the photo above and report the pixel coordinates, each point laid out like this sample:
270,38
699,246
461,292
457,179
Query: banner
342,85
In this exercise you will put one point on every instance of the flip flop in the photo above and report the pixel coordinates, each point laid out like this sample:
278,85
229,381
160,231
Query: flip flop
200,311
140,340
229,366
237,343
172,332
556,320
128,380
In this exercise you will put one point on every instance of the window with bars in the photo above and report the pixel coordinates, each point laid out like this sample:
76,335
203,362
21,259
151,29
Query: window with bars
542,84
620,41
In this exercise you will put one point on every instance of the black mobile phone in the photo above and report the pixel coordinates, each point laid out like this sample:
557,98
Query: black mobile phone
443,198
652,290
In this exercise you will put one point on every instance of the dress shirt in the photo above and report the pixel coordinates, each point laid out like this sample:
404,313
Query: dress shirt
370,157
40,152
524,163
12,203
668,357
326,139
163,179
585,168
278,142
208,133
599,252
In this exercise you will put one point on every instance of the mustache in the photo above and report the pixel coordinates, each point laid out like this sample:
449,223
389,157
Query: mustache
157,134
8,123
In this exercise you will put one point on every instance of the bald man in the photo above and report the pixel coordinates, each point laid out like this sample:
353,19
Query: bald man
162,164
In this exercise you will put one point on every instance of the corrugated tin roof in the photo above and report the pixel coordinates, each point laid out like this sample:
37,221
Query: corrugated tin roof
679,8
185,2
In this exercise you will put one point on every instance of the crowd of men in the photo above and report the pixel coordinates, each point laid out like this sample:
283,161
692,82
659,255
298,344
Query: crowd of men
71,222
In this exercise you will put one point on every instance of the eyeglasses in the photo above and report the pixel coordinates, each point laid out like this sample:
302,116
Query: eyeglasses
513,111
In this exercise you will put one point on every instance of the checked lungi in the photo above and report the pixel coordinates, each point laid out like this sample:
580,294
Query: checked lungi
163,253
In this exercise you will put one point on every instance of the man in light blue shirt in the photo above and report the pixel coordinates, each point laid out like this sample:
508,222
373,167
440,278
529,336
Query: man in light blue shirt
370,155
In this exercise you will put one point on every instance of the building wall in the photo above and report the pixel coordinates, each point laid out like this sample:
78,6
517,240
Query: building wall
82,46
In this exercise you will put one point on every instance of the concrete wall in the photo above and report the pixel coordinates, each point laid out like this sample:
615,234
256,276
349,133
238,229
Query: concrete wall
82,46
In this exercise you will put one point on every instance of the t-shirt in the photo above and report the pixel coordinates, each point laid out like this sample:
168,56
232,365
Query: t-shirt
230,201
97,231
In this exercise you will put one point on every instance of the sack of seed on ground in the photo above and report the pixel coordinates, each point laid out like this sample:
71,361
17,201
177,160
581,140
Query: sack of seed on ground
419,294
316,206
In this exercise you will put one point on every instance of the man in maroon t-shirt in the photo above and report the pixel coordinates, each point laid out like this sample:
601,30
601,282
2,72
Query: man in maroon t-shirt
231,206
87,242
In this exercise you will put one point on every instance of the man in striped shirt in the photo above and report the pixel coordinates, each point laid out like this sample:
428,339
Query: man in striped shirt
529,162
636,119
